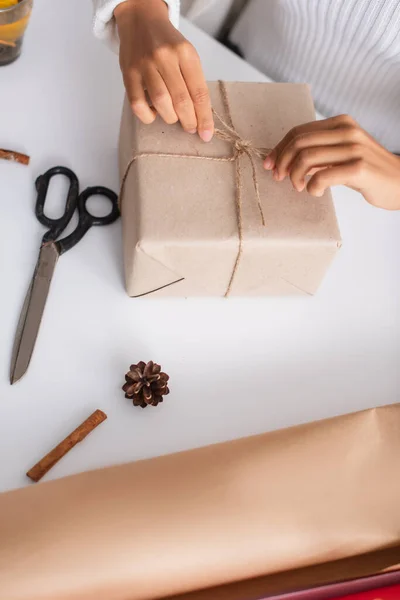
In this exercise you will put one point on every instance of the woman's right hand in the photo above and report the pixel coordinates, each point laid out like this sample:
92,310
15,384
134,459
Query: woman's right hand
155,57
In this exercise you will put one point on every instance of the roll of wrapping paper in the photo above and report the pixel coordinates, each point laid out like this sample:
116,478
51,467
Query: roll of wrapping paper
272,513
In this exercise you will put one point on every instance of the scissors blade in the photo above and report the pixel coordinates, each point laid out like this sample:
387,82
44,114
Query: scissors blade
32,311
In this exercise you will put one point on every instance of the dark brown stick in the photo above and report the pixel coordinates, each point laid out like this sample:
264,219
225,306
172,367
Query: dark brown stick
48,461
23,159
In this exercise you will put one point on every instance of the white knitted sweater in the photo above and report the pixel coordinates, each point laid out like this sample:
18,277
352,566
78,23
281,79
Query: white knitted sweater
103,22
348,50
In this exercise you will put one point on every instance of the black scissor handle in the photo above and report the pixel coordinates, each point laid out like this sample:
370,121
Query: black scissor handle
56,226
87,219
99,190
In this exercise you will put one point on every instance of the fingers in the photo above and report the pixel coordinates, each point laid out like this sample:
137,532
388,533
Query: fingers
194,78
294,133
177,89
304,142
169,69
349,174
313,158
184,79
332,151
341,129
137,97
159,94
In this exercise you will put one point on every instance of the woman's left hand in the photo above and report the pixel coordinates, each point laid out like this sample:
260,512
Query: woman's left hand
337,151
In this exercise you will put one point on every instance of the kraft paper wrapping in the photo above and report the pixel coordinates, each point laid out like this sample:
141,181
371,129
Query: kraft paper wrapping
268,513
180,222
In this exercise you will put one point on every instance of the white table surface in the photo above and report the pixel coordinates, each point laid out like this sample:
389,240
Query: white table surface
237,367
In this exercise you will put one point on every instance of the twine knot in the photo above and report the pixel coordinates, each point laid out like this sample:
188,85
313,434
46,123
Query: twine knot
242,146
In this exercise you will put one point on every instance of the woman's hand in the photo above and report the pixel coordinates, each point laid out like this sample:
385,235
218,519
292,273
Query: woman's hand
156,58
337,151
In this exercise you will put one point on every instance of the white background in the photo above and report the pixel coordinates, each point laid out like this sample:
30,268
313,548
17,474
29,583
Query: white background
237,367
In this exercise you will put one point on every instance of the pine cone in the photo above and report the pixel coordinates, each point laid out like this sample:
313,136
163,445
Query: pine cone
146,384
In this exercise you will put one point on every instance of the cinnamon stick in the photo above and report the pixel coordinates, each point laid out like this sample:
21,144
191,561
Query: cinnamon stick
48,461
23,159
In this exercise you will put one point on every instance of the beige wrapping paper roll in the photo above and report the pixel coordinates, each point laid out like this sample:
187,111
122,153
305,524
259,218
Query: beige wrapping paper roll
231,512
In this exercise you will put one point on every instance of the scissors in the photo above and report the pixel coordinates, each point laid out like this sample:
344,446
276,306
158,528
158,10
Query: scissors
50,250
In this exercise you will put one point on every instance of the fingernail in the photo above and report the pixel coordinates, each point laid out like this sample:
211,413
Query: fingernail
268,163
192,131
206,135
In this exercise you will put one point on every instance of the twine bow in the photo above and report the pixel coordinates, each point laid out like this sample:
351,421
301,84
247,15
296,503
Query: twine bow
241,148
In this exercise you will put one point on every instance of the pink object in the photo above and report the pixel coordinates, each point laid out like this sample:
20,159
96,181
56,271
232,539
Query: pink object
378,587
386,593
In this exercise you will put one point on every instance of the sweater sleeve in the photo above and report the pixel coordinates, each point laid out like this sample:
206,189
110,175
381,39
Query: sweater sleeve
104,24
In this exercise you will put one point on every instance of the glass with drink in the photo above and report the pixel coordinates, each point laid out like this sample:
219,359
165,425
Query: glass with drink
14,18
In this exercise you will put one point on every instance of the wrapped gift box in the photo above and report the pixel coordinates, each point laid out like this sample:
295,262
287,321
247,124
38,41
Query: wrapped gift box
242,520
182,226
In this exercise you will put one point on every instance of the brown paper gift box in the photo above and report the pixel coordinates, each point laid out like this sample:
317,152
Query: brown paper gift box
180,219
270,513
